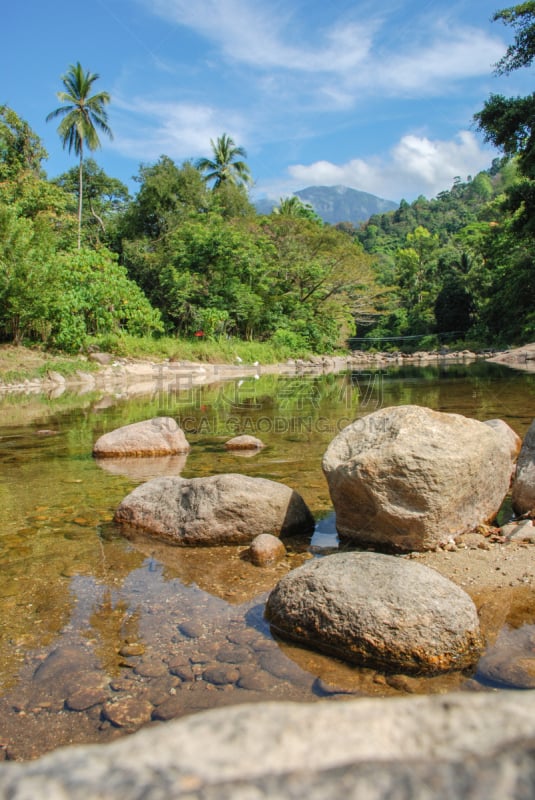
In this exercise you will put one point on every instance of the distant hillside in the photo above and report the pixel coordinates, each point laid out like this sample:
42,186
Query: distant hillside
341,204
337,204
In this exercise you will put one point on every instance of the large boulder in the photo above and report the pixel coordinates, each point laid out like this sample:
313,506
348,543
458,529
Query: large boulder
220,509
524,482
409,478
379,611
159,436
464,746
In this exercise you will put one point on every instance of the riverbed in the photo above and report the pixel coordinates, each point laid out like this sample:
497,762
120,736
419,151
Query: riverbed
101,635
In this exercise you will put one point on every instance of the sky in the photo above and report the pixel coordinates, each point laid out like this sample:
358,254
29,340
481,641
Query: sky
379,97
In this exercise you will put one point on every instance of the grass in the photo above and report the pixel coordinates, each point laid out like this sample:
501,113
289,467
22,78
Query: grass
20,363
215,351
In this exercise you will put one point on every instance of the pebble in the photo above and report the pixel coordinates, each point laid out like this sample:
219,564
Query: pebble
233,655
128,712
151,669
221,675
86,697
192,630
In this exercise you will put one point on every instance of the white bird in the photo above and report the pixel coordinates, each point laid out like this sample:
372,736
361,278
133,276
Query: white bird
239,360
256,364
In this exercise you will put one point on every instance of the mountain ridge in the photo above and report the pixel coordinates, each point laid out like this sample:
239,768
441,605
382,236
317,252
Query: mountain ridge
337,203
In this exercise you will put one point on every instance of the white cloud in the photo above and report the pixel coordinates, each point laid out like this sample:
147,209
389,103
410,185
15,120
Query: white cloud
248,32
453,54
415,165
146,129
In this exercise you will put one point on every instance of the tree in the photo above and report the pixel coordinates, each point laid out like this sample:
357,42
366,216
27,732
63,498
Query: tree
106,198
294,207
83,116
21,150
225,166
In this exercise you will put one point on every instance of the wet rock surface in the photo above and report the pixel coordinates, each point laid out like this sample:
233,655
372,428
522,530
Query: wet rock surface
220,509
409,478
378,610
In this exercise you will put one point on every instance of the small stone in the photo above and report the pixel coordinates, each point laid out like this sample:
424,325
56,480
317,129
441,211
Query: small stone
221,675
244,442
266,549
151,669
171,707
128,712
133,649
86,698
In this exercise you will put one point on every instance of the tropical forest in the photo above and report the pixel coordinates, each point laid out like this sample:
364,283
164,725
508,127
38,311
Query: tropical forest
188,259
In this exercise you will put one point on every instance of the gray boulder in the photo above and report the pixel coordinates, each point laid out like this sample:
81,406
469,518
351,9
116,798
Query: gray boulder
463,746
409,478
220,509
159,436
379,611
524,482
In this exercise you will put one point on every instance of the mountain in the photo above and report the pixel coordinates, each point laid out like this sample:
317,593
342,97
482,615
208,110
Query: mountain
342,204
336,204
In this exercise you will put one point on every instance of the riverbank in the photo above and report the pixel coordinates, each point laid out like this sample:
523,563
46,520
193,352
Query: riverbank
29,371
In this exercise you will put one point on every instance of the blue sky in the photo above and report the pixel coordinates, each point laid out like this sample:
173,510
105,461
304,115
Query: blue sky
375,96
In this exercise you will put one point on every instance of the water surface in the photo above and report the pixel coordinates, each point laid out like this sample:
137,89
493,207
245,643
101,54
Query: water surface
99,635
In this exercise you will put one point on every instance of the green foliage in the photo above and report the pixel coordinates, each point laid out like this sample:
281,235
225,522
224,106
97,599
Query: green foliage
21,150
226,165
106,198
96,297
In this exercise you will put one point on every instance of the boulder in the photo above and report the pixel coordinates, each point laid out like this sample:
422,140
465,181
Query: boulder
220,509
266,549
524,482
464,746
409,478
244,442
159,436
379,611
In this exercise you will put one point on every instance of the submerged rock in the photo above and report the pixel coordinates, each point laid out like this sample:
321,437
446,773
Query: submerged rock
379,611
409,478
158,436
220,509
524,482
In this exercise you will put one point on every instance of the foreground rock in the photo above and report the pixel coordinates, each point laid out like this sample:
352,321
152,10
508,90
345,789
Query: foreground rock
524,483
159,436
221,509
410,478
462,746
378,611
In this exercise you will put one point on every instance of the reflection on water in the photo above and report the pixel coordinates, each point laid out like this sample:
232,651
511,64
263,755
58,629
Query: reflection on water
99,634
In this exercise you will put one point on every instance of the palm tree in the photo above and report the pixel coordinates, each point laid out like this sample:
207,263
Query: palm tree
294,207
82,116
224,167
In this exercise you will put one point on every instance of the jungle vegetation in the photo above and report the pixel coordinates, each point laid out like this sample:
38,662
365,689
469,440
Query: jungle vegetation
188,255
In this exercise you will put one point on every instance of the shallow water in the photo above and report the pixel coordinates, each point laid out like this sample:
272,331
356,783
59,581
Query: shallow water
99,635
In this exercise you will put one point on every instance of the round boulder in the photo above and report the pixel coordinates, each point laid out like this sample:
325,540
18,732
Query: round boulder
409,478
265,549
159,436
379,611
524,482
220,509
